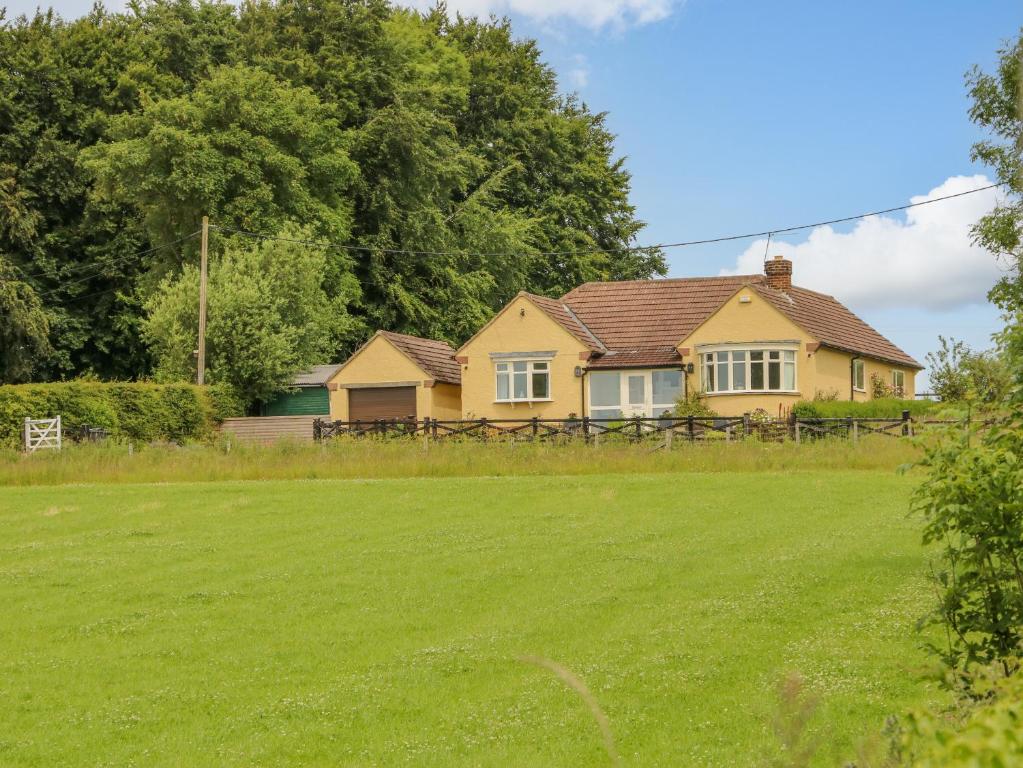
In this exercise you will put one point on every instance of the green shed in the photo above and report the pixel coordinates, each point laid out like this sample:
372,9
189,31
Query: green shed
307,397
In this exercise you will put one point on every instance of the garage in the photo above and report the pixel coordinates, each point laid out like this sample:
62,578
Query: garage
377,403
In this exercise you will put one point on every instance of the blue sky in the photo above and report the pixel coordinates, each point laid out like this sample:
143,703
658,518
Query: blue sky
747,116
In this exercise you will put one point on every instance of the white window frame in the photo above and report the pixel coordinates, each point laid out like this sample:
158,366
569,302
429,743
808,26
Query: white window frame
709,356
859,365
531,364
899,388
648,409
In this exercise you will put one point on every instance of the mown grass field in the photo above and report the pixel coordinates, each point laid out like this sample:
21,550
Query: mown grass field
382,622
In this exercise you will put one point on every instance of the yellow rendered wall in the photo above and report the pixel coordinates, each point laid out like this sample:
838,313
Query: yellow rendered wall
446,402
755,321
521,327
824,371
378,363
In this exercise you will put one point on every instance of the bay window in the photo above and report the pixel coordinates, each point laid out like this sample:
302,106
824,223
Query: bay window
523,380
749,370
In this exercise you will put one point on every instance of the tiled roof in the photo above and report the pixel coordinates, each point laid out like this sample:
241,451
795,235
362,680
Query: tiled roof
437,358
650,313
564,316
833,324
651,357
635,315
317,376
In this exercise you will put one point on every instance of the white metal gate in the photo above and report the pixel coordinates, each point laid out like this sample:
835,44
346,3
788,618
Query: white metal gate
42,433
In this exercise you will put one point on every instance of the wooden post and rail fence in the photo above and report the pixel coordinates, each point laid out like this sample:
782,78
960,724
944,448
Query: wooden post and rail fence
691,429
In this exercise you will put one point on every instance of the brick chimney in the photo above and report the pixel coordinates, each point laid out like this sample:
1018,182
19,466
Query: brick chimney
779,273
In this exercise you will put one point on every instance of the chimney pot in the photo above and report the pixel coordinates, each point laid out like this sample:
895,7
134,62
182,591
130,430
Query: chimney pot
779,273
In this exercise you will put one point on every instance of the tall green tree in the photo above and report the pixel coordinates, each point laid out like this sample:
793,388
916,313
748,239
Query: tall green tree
998,107
268,316
439,153
24,329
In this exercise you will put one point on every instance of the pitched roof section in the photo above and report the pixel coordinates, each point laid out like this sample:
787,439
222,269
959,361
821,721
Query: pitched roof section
437,358
646,315
317,376
652,357
563,315
635,314
834,325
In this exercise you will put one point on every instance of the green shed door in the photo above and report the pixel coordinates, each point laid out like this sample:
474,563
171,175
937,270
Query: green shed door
306,401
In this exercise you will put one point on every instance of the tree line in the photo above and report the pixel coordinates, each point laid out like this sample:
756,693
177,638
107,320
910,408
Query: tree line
375,129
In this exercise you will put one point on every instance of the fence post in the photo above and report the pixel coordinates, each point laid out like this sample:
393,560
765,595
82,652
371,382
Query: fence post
745,425
906,427
586,429
690,428
669,433
855,430
639,428
317,430
536,427
26,432
483,428
358,427
797,432
433,428
793,425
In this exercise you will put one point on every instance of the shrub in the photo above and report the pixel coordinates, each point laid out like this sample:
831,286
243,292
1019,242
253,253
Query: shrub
693,404
135,411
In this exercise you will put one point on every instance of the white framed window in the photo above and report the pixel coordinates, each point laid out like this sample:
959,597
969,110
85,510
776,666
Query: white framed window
859,376
620,394
523,380
762,369
898,382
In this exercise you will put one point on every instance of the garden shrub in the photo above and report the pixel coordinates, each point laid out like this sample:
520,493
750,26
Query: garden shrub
886,408
144,412
693,404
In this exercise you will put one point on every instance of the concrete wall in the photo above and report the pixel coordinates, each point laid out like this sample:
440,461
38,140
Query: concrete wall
521,327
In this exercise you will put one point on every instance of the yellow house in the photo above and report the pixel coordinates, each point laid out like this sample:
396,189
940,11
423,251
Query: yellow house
610,350
394,376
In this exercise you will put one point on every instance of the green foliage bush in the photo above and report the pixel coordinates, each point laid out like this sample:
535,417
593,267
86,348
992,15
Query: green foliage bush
887,408
135,411
693,404
986,732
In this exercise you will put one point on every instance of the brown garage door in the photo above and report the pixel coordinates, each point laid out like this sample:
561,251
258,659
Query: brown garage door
376,403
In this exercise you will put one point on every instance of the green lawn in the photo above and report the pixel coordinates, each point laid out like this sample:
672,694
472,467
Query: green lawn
382,622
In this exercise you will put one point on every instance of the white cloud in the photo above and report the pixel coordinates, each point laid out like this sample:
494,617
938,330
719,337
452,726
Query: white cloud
589,13
924,259
579,74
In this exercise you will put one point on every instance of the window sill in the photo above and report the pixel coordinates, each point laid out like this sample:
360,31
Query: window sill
742,392
513,402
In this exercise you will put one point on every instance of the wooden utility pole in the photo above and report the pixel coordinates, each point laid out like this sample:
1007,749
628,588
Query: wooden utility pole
203,260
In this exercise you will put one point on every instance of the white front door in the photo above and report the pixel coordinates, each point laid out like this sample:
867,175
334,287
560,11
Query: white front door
647,393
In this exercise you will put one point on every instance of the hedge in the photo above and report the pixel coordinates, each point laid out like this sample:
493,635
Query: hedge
136,411
881,408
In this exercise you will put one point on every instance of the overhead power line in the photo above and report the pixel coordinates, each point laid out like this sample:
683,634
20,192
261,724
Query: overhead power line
625,249
96,267
105,264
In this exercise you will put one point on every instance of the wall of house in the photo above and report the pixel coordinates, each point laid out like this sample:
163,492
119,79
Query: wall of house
750,322
445,402
824,370
521,327
378,363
